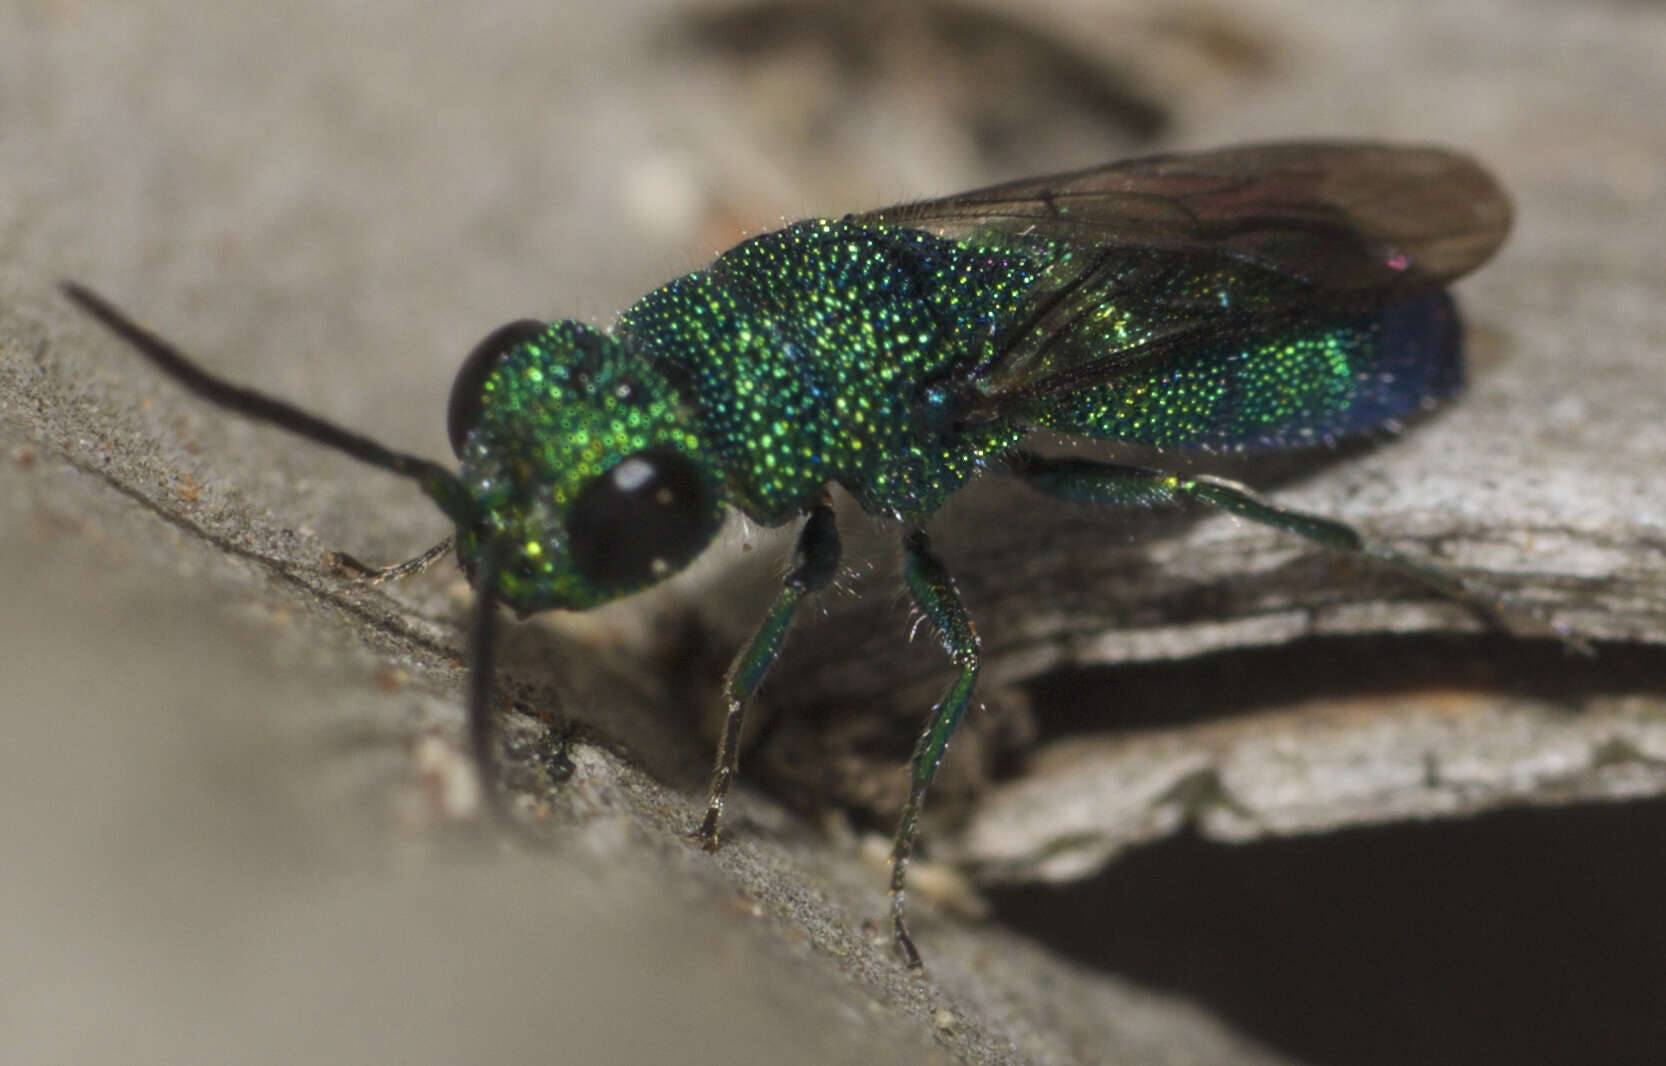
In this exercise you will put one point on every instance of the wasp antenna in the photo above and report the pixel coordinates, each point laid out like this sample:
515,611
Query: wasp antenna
482,735
436,481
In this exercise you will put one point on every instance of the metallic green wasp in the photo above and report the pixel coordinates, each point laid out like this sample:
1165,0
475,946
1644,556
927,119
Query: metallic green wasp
1262,297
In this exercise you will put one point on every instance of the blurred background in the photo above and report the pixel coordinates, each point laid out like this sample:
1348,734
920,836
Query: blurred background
229,821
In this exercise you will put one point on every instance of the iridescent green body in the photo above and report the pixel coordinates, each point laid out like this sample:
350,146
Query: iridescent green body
806,350
806,357
1261,297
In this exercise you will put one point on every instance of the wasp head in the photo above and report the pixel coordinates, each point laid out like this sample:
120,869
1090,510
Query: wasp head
583,466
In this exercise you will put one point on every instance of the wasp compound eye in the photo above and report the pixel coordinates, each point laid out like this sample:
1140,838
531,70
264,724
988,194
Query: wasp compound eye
641,520
463,411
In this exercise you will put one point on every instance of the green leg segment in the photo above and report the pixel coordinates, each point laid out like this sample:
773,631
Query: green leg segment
1086,481
935,595
814,563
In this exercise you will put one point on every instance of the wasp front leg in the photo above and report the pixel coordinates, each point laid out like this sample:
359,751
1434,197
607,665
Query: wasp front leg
371,576
815,560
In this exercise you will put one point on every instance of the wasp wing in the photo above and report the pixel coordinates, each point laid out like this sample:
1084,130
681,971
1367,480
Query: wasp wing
1198,249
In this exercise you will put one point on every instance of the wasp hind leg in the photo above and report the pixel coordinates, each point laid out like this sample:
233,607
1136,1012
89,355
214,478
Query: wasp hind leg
1088,481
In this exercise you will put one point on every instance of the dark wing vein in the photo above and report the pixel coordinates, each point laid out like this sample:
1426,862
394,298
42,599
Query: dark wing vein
1344,215
1292,231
